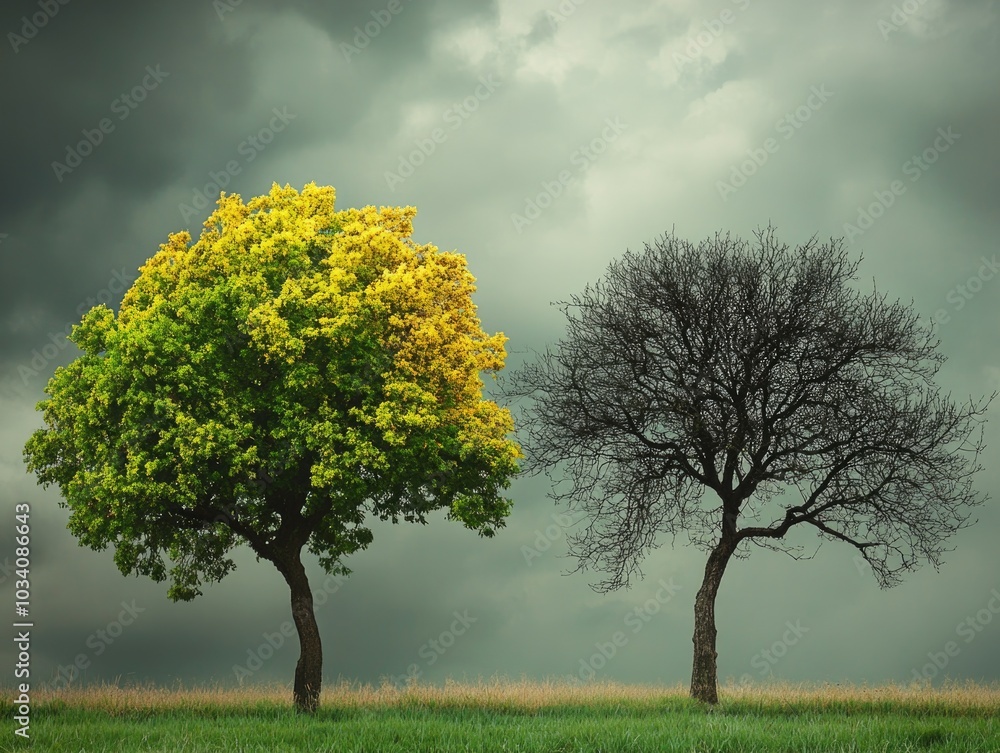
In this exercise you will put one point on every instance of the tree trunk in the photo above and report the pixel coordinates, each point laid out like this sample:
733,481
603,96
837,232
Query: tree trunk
309,670
704,675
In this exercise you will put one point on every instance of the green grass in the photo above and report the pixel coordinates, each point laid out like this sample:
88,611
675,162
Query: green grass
515,716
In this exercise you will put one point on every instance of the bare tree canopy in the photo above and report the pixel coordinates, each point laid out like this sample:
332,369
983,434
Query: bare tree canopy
762,374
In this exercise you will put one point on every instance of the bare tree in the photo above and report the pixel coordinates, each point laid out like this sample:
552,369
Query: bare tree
759,373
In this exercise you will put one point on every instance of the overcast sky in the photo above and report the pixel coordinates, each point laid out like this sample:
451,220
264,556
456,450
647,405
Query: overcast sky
541,140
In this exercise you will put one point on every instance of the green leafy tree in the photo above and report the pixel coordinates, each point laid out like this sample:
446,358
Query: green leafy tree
295,372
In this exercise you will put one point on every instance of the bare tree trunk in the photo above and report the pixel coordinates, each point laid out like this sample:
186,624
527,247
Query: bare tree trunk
704,675
309,669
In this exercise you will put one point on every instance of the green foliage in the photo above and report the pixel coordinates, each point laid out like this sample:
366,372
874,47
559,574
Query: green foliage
293,372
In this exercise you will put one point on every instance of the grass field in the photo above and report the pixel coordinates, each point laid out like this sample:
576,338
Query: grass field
514,716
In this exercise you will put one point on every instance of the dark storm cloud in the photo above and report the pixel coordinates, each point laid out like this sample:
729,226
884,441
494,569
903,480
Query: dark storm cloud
91,63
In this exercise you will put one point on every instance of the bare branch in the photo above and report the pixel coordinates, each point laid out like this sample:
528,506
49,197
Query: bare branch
748,369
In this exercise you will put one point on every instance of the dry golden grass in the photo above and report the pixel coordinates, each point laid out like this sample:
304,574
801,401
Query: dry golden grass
521,695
